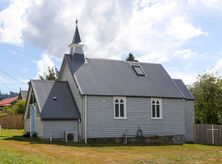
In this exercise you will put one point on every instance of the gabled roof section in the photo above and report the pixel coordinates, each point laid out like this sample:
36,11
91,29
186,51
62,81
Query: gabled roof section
117,78
182,87
55,100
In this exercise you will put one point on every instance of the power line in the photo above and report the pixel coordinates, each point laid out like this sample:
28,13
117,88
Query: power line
5,85
21,82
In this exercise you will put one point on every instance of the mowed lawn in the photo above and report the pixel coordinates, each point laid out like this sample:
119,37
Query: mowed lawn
18,149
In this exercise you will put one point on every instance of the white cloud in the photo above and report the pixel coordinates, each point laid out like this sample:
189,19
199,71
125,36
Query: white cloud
185,54
187,77
12,22
180,29
108,28
44,63
154,58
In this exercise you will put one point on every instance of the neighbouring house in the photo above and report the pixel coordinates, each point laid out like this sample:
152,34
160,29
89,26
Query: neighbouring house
8,101
22,95
101,99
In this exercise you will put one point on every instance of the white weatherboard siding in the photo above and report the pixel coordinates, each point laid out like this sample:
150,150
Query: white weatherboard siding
100,121
66,75
27,125
39,128
58,128
189,120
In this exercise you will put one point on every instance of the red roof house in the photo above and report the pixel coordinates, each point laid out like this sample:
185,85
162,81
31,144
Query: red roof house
8,101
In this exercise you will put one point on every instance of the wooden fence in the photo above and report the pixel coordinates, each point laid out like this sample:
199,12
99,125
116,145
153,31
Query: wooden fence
208,134
12,121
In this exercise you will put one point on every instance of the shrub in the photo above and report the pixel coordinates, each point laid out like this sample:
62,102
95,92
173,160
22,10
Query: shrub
20,106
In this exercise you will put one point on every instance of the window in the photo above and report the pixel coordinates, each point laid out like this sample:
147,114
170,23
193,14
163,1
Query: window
119,107
156,108
139,71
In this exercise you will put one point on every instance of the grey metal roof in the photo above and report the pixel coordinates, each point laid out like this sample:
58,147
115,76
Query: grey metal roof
188,95
117,78
76,38
63,108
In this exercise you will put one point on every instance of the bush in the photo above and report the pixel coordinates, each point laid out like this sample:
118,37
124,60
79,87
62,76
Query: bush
20,106
7,111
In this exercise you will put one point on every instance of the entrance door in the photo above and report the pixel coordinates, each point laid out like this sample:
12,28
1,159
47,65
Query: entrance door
33,119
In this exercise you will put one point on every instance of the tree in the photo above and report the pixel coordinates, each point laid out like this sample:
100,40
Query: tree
131,58
20,106
51,74
7,95
207,91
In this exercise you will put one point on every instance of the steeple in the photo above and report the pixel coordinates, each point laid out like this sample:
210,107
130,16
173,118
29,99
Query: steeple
76,38
76,47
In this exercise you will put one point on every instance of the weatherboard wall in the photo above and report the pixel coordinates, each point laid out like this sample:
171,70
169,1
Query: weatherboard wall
189,120
67,76
58,128
27,125
39,127
101,122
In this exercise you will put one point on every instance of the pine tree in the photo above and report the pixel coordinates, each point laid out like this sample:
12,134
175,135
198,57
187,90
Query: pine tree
131,58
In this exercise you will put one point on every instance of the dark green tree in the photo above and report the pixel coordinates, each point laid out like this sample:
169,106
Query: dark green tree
50,74
131,58
207,91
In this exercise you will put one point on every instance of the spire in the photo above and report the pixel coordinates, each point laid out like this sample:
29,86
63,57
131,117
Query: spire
76,38
76,47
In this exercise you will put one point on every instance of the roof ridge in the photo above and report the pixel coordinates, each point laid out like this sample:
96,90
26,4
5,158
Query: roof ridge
49,81
122,61
42,80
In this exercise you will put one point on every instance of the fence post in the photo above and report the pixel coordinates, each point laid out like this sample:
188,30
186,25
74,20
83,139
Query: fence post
202,133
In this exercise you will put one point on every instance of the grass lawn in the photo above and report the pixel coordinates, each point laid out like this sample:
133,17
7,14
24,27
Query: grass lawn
18,149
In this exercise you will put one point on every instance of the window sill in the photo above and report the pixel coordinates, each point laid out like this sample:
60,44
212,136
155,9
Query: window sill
153,118
120,118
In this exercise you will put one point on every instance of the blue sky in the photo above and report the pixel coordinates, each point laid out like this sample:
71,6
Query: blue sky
184,36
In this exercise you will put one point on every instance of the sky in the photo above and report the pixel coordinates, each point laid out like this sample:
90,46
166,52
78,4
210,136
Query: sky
183,35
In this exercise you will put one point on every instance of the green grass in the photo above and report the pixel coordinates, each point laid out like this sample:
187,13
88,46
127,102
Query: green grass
17,149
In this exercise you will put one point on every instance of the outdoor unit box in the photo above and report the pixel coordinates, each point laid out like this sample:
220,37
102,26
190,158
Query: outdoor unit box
71,136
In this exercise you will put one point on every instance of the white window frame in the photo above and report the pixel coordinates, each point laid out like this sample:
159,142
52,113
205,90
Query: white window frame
124,107
160,104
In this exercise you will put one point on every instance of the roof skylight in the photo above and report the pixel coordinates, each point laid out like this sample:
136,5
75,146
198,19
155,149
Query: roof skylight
138,70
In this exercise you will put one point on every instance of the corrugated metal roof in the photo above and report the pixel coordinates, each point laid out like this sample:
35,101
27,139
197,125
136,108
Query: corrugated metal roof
63,108
8,101
76,38
117,78
188,95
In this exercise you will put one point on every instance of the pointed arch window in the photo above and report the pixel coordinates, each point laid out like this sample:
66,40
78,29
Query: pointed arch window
119,107
156,108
